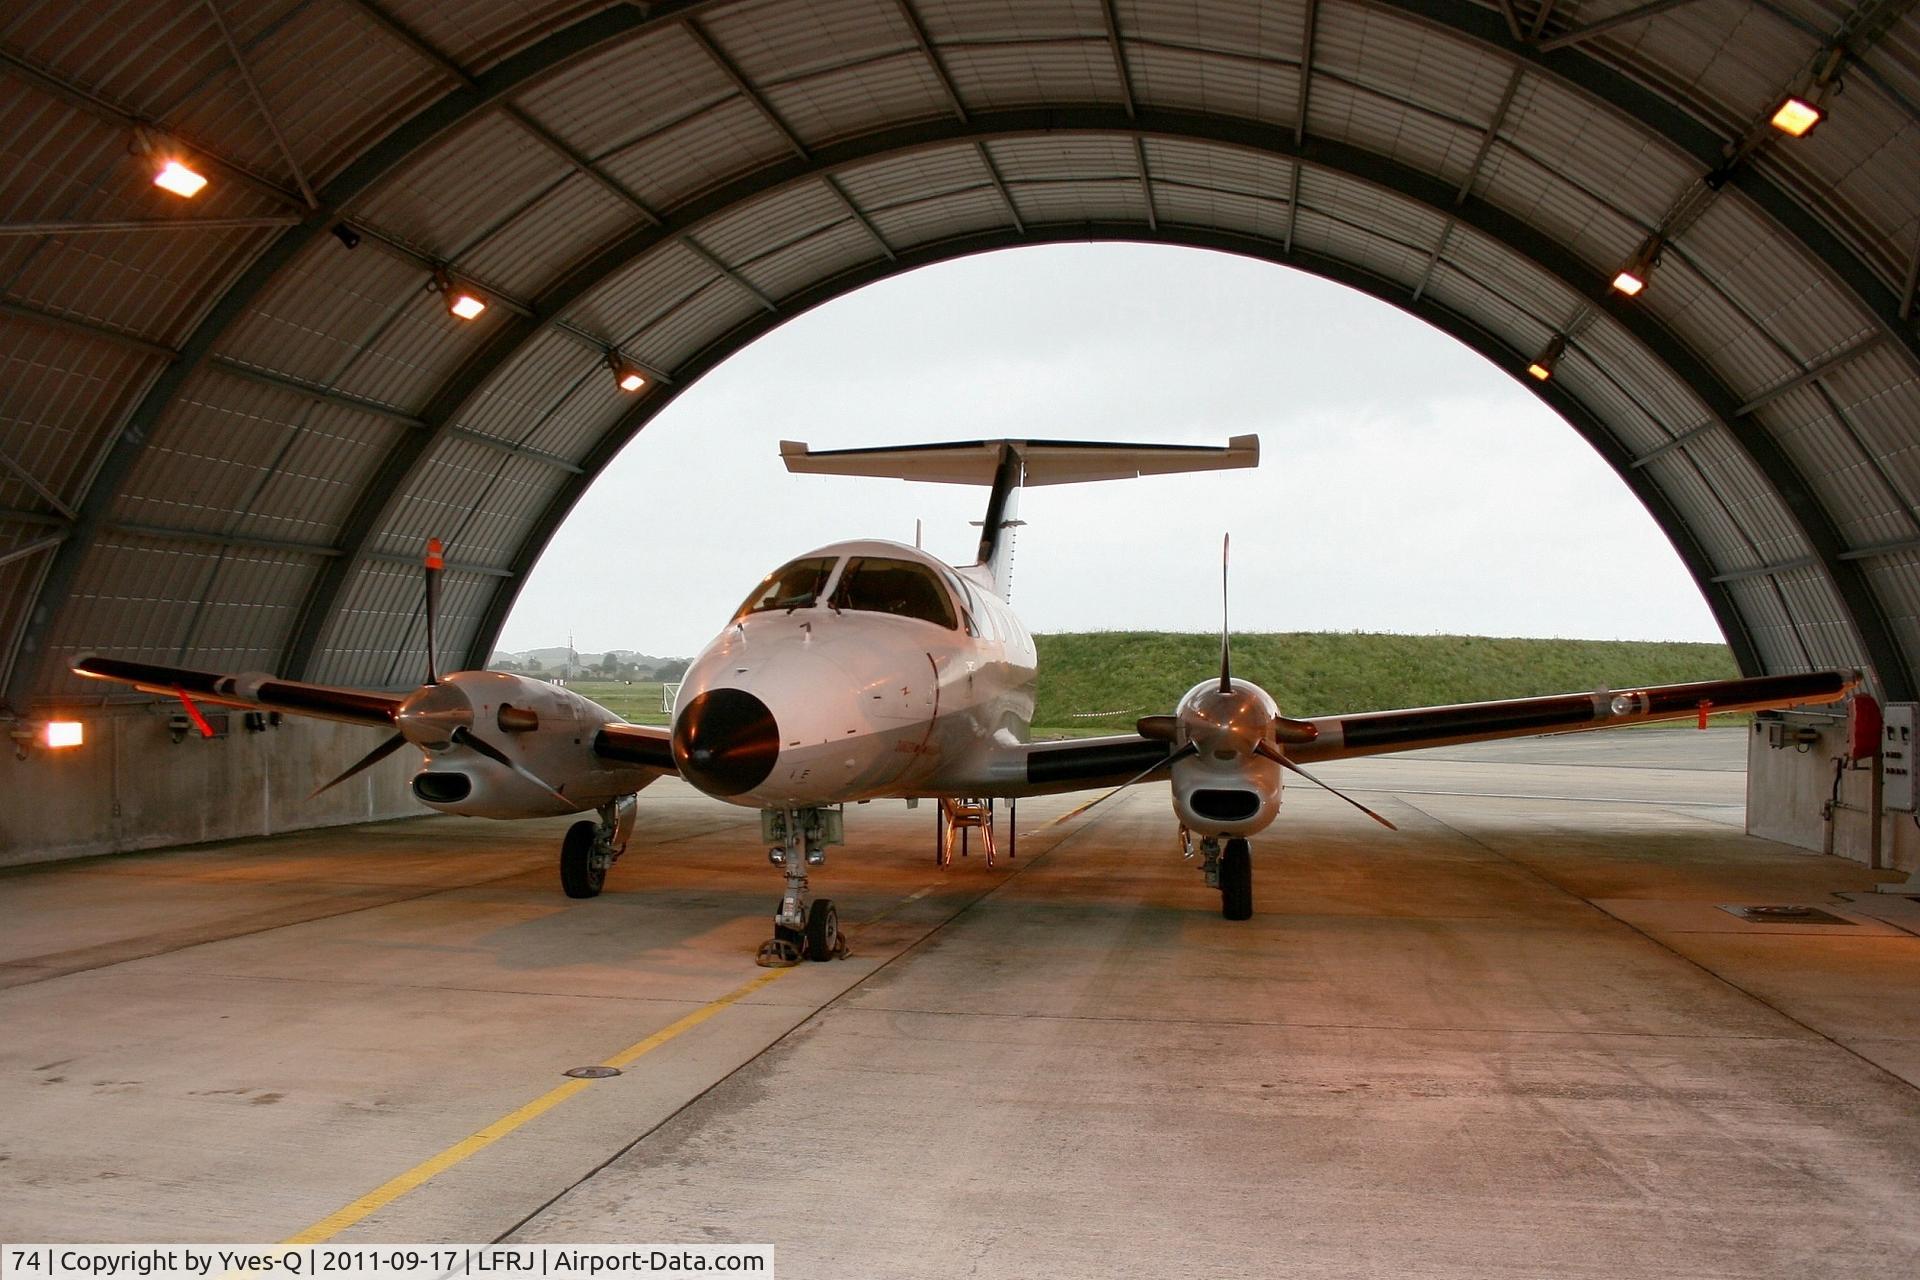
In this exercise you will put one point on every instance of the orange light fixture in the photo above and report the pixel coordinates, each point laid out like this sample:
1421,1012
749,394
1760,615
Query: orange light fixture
628,376
1633,277
462,303
63,733
1543,364
178,178
1796,117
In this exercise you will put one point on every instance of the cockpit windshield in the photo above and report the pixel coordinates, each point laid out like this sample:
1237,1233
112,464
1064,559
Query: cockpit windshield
796,585
903,587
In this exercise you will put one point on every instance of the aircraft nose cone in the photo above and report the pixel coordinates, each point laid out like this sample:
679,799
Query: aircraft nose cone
725,742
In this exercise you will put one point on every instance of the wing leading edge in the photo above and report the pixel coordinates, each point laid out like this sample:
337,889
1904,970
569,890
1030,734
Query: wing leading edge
1077,764
249,689
635,744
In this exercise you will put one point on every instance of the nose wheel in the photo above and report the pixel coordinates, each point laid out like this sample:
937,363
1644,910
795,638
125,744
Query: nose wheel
1236,880
804,927
1228,866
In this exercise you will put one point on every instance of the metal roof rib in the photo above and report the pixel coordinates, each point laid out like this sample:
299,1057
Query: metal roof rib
235,430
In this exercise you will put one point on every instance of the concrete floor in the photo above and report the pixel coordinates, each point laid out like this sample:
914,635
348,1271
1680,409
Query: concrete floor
1520,1038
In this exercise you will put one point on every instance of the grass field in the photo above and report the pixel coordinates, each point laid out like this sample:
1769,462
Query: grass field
1127,674
636,703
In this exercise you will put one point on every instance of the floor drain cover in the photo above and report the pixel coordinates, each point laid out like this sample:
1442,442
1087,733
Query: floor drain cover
1790,913
593,1073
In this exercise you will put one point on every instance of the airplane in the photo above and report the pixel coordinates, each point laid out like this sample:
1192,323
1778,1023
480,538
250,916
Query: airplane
869,670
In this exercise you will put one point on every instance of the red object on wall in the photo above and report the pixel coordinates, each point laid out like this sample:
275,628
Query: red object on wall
1863,726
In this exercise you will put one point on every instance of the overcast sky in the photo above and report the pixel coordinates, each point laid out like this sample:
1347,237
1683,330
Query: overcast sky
1405,484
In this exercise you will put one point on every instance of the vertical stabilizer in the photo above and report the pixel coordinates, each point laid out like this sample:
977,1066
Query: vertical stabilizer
1002,518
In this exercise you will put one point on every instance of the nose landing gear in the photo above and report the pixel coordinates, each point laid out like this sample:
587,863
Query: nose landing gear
803,926
1228,866
590,848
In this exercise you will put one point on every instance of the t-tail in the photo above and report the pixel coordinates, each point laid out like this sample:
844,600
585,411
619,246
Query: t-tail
1005,466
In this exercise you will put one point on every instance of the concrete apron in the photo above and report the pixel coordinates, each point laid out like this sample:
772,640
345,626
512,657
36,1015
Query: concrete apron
1520,1037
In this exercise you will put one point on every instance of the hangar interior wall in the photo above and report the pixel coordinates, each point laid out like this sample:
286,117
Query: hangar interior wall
1788,789
133,787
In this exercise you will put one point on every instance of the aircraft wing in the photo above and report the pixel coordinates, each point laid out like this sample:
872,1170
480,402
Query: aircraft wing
1042,768
649,746
1376,732
637,744
254,689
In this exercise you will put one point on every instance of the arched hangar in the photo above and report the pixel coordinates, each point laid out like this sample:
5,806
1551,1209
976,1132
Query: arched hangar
230,419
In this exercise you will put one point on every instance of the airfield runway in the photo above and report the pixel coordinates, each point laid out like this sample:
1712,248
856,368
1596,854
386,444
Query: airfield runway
1519,1038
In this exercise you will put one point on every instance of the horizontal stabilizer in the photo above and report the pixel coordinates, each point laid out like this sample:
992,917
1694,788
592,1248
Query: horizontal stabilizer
1043,461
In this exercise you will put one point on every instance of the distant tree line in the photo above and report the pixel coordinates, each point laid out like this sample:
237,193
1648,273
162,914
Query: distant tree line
608,667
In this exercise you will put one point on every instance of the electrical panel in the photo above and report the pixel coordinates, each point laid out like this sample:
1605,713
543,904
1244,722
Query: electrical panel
1897,757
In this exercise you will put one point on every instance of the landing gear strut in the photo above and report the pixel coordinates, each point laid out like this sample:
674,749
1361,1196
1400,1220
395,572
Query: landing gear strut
803,926
1228,866
591,847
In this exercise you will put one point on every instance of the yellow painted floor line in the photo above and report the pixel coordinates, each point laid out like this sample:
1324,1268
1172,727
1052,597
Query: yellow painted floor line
386,1193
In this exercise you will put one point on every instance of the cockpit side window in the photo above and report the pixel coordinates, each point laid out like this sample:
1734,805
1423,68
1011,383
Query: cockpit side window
901,587
796,585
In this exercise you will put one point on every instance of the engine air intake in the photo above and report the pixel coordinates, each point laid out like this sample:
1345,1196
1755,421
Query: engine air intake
1225,804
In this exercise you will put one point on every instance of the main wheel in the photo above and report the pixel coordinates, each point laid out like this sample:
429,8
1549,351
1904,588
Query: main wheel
578,875
823,930
1236,881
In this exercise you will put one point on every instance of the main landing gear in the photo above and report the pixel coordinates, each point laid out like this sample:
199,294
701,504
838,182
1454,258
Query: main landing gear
589,848
804,926
1228,865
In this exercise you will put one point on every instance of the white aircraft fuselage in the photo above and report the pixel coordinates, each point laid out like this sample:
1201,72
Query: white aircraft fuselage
852,695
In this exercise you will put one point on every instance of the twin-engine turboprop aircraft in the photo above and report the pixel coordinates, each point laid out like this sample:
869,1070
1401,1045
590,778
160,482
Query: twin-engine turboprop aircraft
868,670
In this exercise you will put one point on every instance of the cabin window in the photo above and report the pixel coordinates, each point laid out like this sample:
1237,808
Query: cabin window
796,585
905,588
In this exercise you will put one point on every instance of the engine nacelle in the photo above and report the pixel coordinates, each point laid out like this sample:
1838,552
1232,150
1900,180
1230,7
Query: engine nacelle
1239,796
543,735
467,783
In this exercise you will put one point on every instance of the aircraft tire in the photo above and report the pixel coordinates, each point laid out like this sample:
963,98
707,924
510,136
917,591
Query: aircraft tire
578,876
823,930
1236,881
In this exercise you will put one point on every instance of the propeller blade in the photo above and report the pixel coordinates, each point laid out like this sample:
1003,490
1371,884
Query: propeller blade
1069,815
1285,763
1226,651
433,563
464,736
368,760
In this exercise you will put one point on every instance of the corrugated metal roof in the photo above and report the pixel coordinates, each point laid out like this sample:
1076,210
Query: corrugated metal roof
213,438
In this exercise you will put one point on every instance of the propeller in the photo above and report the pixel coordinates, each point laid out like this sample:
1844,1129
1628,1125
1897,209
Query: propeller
438,716
372,757
1274,754
1071,814
433,563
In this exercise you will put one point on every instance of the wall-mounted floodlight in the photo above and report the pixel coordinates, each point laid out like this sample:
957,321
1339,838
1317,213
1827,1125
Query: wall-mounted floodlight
462,302
55,735
1633,277
1543,364
628,376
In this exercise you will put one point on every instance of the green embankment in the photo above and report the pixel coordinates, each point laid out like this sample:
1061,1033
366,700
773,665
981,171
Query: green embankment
636,703
1319,673
1136,673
